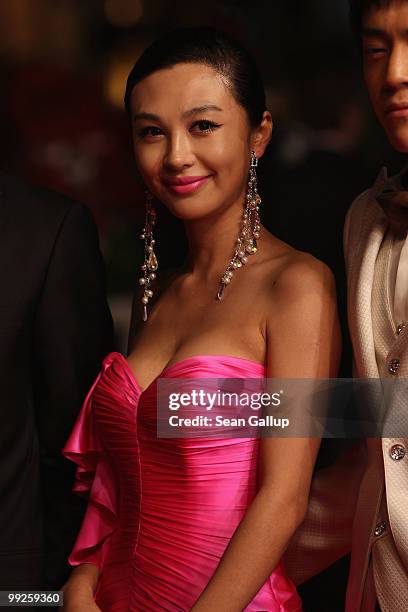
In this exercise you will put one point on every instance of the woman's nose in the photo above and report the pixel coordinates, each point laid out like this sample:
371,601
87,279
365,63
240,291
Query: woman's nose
178,154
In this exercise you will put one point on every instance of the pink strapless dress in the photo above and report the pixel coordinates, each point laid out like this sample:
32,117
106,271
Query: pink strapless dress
161,511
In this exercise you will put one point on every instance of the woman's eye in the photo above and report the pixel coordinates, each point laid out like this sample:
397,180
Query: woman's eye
150,130
204,126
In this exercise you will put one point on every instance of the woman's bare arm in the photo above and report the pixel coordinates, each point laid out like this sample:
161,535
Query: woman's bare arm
80,588
303,341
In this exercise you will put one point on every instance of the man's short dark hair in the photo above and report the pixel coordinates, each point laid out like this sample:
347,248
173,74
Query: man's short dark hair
359,7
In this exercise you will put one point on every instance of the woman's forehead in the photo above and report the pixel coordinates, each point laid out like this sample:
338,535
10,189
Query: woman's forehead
185,86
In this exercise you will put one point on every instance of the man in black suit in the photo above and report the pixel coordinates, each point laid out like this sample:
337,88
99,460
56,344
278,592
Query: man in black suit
55,329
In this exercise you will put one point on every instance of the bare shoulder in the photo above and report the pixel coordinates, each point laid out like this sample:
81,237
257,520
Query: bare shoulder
302,328
302,298
289,276
302,275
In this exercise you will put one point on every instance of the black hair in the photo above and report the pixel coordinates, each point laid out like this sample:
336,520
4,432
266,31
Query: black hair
210,46
359,7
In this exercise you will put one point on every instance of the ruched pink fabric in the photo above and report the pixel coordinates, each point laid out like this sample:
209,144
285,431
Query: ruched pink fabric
161,511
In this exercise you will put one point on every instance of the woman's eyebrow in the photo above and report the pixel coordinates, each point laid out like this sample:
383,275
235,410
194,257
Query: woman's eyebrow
201,109
192,111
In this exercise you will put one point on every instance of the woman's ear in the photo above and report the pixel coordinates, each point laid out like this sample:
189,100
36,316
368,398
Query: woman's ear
261,135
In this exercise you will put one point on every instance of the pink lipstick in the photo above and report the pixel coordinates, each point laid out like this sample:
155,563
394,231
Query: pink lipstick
185,184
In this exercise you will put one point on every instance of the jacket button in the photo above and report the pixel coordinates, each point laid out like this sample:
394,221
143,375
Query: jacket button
397,452
393,366
380,528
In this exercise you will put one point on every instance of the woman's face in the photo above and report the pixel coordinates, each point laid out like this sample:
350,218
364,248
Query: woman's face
192,140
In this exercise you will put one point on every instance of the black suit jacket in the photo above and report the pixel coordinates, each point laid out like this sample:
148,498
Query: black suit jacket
55,328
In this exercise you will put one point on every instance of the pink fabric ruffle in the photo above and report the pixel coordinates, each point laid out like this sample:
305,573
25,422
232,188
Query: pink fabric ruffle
95,481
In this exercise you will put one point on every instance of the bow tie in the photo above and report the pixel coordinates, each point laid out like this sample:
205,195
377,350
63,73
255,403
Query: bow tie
392,196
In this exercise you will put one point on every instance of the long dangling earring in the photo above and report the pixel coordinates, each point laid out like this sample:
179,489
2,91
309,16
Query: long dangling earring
251,225
150,264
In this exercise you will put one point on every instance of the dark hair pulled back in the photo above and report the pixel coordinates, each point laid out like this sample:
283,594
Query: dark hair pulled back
214,48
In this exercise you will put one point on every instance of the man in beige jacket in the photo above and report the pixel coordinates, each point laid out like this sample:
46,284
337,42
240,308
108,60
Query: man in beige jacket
361,504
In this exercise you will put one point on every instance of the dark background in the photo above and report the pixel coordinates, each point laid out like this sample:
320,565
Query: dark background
63,66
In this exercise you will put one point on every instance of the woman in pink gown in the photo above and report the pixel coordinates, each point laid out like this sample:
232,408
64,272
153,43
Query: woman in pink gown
200,523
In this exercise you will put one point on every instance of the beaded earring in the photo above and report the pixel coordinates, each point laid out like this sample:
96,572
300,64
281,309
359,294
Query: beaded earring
150,263
251,225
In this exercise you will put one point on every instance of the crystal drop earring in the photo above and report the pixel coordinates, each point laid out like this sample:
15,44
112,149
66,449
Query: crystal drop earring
250,229
150,263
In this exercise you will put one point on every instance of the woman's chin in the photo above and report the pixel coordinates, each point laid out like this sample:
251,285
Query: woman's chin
191,208
191,213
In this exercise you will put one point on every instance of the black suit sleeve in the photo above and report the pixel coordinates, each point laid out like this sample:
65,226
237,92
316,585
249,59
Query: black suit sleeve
73,332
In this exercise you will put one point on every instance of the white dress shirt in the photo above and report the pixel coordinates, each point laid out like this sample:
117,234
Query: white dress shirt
401,283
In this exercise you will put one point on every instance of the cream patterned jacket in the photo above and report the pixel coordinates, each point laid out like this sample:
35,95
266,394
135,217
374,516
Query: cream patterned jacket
360,504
